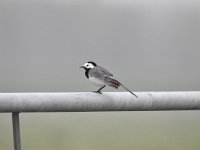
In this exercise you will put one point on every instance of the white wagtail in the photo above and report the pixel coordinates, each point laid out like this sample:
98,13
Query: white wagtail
101,77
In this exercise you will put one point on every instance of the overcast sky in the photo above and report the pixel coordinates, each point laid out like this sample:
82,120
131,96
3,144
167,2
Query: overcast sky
147,45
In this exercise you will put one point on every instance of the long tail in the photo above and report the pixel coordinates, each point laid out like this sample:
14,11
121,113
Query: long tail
115,84
128,90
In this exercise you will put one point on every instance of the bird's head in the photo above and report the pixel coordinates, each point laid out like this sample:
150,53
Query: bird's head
89,65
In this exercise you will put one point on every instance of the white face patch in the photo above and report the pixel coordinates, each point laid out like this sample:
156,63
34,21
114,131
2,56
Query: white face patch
88,65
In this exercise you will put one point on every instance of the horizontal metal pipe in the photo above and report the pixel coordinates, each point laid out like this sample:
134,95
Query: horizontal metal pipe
89,101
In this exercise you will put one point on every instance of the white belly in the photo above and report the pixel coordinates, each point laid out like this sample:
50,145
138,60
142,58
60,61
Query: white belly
97,81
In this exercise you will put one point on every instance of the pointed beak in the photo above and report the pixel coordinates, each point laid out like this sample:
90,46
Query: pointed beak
81,67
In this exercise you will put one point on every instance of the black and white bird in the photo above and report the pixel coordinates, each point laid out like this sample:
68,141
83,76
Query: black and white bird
102,77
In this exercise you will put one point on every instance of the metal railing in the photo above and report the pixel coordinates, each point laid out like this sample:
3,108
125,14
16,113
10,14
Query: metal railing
88,101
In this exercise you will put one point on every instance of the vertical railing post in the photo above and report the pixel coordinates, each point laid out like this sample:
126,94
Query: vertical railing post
16,131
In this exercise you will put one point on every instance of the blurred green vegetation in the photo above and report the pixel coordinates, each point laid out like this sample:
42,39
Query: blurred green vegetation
174,130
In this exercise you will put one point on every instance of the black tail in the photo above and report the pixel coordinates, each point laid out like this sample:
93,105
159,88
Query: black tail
115,84
128,90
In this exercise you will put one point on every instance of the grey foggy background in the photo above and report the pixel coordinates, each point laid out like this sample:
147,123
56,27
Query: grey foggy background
148,45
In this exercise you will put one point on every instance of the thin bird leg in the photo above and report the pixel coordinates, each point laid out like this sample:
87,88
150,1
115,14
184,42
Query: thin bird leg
99,90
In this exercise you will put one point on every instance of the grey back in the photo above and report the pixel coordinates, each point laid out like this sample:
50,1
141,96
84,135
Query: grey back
99,72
